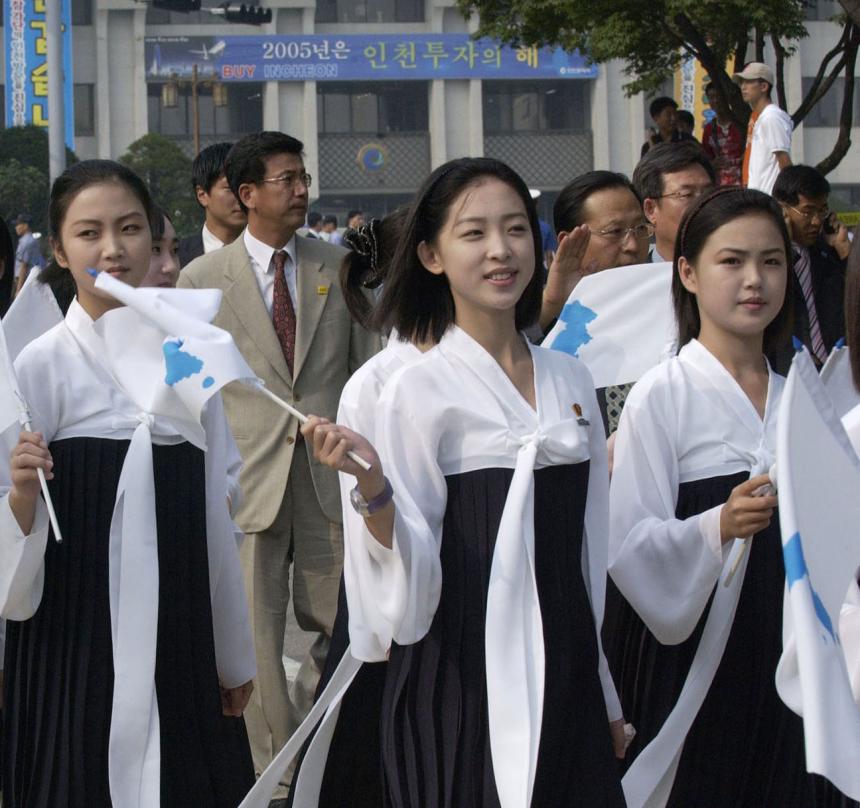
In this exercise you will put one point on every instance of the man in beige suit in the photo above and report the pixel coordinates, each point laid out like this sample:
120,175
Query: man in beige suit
284,308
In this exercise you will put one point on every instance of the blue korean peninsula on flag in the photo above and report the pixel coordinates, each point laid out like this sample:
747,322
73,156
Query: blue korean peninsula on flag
818,477
619,322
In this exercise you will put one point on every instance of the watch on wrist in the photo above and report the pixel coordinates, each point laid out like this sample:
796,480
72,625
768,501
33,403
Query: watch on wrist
369,507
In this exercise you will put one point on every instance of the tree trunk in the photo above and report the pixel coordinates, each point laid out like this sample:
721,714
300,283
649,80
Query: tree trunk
820,84
759,45
843,140
780,71
852,9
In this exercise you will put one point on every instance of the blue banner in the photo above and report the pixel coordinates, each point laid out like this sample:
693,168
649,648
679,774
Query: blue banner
382,57
26,44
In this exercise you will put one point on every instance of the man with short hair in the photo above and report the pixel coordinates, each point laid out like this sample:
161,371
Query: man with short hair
664,113
283,305
27,253
355,219
821,247
329,229
668,180
314,224
225,218
768,147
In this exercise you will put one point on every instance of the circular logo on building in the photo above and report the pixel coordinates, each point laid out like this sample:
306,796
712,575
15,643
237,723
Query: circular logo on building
372,156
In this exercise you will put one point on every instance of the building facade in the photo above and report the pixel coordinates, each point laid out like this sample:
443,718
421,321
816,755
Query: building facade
369,143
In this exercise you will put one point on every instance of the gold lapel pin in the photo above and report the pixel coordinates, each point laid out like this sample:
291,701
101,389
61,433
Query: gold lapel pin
577,411
322,290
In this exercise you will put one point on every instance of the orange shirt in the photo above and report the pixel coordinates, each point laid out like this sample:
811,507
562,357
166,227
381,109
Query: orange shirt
745,171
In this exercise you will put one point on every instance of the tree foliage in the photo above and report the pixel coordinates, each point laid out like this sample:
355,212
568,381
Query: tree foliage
167,171
24,189
24,173
654,37
29,146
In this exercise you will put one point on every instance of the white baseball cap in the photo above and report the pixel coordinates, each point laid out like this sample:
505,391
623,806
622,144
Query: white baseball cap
755,70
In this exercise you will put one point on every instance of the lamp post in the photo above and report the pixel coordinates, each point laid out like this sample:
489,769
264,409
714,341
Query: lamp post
170,98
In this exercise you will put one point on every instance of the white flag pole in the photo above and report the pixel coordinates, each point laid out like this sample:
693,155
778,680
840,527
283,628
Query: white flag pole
52,515
303,419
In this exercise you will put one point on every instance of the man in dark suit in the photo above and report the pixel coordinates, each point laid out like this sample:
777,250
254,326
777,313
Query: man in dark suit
225,218
821,246
283,305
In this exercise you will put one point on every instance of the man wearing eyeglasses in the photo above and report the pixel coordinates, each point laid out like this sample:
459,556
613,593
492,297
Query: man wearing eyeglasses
282,304
669,179
821,246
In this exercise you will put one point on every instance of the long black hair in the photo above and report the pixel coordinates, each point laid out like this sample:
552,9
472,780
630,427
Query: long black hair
418,303
713,211
371,248
852,307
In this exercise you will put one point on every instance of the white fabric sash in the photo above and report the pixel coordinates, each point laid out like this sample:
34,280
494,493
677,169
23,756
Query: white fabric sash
514,630
134,750
308,786
648,782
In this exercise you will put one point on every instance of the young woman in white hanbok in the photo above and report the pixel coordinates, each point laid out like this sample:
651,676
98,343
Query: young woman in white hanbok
695,661
484,547
128,650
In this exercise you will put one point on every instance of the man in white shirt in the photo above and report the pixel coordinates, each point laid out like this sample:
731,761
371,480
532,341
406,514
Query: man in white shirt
768,147
225,218
283,305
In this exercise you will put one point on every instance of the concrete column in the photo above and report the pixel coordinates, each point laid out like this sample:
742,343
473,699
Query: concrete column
600,120
437,124
102,89
140,115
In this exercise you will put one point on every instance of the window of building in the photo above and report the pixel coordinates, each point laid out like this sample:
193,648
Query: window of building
372,108
159,16
826,111
370,11
82,12
85,110
847,194
242,114
536,106
822,10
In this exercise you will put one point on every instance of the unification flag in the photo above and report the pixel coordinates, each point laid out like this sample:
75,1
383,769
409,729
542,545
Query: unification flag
11,402
818,481
837,379
619,322
33,312
191,359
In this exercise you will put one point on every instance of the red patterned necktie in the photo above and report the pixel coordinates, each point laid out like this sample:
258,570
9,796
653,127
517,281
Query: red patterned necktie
283,314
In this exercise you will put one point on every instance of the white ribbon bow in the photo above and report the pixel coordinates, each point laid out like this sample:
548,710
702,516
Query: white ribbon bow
134,750
514,630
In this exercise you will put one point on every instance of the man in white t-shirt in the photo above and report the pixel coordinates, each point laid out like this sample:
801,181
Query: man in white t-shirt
768,147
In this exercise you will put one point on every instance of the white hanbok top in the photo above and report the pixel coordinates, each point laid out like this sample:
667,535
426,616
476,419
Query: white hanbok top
685,420
452,411
849,619
71,393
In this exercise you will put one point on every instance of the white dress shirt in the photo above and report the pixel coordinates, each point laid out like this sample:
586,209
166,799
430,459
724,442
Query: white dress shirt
211,242
264,268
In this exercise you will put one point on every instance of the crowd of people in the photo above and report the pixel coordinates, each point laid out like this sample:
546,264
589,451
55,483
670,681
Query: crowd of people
527,565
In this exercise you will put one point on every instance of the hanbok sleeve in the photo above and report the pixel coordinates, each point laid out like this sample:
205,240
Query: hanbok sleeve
234,645
398,588
665,567
596,543
22,557
849,634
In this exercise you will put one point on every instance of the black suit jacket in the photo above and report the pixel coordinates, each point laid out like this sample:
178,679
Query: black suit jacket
190,247
828,288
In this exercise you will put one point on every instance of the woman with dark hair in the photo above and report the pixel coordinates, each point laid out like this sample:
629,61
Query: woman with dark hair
482,567
129,654
696,660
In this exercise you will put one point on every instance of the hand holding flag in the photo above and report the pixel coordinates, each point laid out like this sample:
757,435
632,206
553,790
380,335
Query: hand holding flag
199,358
13,408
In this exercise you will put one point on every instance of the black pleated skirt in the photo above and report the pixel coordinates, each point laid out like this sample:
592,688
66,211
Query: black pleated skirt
353,772
745,747
59,666
435,741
